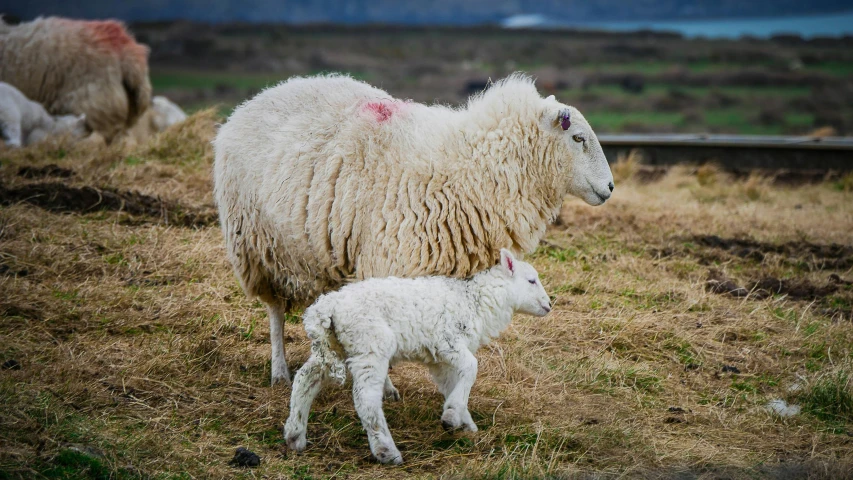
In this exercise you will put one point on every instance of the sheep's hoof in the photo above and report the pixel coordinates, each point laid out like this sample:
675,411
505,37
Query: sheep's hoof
388,455
391,395
281,380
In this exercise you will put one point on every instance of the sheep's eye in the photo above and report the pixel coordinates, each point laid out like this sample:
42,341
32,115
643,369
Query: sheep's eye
578,138
532,282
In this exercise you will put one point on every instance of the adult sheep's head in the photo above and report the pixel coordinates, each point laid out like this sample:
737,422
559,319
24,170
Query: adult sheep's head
578,151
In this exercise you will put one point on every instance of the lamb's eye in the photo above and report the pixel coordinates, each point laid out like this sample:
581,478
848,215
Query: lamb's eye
578,138
532,282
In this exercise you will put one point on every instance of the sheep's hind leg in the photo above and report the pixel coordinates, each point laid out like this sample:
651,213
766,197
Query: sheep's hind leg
455,379
368,377
280,373
307,384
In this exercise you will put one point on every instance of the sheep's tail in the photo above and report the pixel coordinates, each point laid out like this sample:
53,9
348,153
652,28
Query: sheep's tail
318,324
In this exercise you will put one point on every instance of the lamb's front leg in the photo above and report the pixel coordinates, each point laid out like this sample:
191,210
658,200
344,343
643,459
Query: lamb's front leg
368,379
454,378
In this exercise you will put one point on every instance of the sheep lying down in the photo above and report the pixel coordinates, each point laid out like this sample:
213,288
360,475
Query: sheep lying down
438,321
24,122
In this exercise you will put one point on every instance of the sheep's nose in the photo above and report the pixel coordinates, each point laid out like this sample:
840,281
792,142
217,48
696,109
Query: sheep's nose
610,186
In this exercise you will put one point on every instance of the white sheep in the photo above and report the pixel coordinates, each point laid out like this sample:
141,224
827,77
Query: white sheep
438,321
322,179
78,67
24,122
162,114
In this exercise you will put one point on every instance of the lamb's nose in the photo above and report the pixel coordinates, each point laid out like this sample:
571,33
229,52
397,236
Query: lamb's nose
610,186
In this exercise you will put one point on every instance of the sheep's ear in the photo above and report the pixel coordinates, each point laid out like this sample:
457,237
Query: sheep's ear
550,97
508,261
564,118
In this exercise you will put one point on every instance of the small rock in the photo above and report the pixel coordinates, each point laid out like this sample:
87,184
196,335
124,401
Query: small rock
245,458
11,365
674,420
783,408
730,369
676,410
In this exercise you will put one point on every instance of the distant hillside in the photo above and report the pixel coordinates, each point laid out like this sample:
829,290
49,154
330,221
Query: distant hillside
447,12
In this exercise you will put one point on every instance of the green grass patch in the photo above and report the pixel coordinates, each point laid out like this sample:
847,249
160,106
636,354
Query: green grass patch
200,80
830,398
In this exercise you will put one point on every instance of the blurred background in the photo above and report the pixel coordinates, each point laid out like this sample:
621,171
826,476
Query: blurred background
722,66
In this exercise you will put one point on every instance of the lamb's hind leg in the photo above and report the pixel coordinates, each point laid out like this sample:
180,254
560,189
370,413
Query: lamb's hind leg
389,391
280,373
307,384
368,379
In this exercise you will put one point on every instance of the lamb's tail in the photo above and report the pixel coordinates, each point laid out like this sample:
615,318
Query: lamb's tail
318,324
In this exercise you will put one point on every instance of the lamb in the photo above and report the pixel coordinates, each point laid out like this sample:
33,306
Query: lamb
162,114
439,321
24,122
78,67
320,180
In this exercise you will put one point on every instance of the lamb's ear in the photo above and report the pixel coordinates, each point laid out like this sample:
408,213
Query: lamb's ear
508,261
550,97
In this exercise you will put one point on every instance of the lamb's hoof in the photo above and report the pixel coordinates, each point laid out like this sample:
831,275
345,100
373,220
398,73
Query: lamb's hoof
391,395
388,455
450,420
296,441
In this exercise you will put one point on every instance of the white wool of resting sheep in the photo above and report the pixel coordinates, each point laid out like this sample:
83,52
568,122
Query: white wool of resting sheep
162,114
77,67
24,122
323,179
439,321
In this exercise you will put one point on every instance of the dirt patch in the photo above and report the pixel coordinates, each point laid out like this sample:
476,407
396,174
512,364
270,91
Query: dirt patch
795,289
58,197
832,256
45,171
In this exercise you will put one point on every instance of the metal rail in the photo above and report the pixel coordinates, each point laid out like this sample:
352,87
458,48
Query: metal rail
739,152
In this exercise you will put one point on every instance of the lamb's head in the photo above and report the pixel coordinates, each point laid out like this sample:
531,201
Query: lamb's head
74,125
578,151
526,293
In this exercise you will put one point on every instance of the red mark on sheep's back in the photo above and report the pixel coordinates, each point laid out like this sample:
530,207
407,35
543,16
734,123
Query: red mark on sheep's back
110,34
383,110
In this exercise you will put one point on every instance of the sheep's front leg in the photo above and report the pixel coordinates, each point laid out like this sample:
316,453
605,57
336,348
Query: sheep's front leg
454,379
307,384
280,373
368,379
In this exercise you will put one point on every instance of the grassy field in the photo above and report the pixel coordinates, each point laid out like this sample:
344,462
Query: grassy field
630,82
682,307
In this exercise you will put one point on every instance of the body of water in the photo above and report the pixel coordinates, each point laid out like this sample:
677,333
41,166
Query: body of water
833,25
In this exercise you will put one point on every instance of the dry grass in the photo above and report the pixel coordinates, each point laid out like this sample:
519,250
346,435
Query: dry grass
140,357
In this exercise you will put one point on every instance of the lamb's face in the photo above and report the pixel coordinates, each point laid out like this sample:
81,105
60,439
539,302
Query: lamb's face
586,167
526,293
75,125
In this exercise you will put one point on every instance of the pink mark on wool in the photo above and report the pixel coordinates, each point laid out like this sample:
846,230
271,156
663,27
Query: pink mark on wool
383,110
110,34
